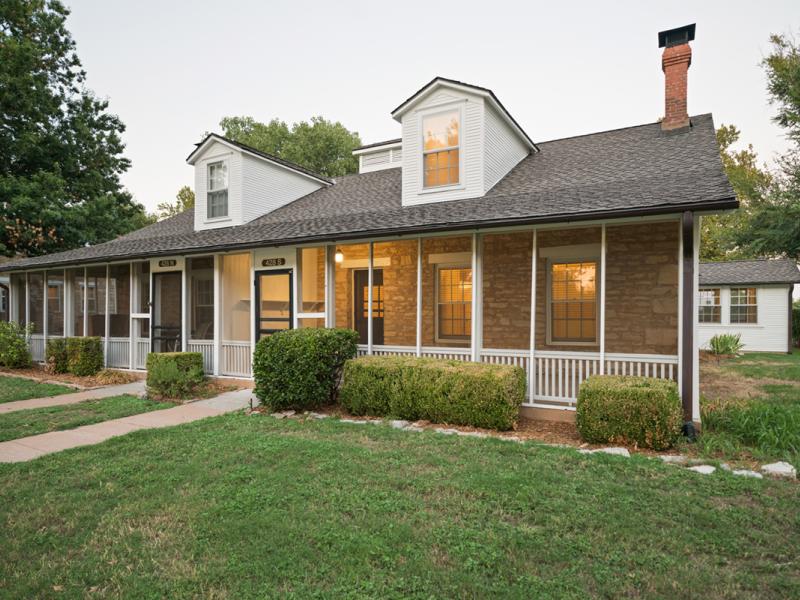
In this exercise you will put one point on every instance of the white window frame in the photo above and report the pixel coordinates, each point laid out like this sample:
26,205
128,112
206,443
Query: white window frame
598,282
432,112
731,305
718,305
226,189
467,340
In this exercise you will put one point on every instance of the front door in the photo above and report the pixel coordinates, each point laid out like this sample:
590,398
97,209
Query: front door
361,305
273,302
167,312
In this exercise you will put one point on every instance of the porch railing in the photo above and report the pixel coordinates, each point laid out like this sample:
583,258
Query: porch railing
557,376
236,359
36,344
206,348
119,352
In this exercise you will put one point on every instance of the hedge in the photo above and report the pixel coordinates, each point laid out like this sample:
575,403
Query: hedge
84,356
300,369
440,391
636,411
174,374
14,352
55,356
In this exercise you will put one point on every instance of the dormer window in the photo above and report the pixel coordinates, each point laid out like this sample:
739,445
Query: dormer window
440,148
217,190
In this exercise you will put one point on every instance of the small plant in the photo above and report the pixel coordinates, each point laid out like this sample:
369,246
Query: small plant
14,352
440,391
174,374
84,356
300,369
796,323
725,344
56,358
640,411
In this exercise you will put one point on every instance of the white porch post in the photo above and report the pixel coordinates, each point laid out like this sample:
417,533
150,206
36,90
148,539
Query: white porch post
68,308
253,331
44,314
131,297
477,299
680,307
532,357
107,322
695,322
185,306
603,299
217,313
27,307
419,296
85,302
369,297
330,286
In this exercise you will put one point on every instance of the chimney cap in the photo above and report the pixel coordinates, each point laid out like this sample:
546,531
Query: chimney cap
677,36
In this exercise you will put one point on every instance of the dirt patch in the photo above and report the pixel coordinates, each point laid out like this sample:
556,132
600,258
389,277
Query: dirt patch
718,383
102,379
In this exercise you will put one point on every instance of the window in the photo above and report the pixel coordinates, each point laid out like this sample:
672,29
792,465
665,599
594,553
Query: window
453,303
217,190
710,311
743,305
201,288
440,149
573,302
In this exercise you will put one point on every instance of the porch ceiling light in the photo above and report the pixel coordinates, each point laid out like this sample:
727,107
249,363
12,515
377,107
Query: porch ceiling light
339,256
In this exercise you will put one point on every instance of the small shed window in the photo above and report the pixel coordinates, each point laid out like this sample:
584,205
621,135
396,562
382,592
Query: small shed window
710,311
744,308
217,190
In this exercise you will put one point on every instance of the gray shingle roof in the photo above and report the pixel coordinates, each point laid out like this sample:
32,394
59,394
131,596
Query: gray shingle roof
781,270
632,171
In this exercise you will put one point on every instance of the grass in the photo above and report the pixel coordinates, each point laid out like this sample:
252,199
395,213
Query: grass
765,427
57,418
245,506
18,388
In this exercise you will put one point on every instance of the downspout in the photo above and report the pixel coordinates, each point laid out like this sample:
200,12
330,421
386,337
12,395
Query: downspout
687,324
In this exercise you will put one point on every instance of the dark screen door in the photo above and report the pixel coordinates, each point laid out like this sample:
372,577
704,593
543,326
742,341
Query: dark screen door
167,315
361,305
273,302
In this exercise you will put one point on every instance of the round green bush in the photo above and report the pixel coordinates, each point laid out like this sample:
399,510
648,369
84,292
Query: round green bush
300,369
14,352
174,374
636,411
84,356
55,356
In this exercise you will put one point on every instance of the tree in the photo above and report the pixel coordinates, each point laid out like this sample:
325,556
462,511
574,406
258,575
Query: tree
60,150
184,200
319,145
750,182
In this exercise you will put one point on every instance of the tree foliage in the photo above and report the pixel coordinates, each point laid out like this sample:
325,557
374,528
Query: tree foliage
184,200
60,150
320,145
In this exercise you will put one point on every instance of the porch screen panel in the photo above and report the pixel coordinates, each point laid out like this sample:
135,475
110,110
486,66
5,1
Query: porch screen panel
447,291
36,301
119,301
56,301
201,298
141,295
75,278
96,296
507,290
312,280
17,281
236,284
354,259
394,295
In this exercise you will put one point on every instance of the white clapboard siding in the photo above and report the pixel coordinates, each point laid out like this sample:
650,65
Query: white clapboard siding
502,147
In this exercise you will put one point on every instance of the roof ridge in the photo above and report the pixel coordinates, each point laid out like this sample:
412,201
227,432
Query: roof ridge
582,135
762,259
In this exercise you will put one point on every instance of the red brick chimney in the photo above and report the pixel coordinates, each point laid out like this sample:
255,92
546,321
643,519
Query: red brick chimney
675,63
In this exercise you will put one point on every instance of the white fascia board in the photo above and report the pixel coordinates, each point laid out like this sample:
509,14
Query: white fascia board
377,148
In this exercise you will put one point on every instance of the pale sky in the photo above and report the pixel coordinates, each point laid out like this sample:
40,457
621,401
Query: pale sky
172,70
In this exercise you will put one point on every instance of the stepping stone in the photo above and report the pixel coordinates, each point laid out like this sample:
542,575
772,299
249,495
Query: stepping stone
780,469
315,415
615,451
353,421
444,431
510,438
283,414
725,467
398,424
703,469
414,428
476,434
673,459
747,473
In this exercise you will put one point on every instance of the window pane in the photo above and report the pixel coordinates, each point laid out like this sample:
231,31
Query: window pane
441,130
312,279
573,309
454,302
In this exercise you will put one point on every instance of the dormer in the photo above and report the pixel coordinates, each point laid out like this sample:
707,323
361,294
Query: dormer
458,141
379,156
235,184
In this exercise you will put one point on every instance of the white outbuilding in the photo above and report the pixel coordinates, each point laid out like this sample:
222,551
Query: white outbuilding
752,298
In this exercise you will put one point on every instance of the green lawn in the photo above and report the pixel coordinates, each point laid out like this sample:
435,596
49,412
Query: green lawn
18,388
767,365
23,423
245,506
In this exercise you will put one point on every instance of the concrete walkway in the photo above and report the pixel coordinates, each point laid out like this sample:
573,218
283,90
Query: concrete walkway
28,448
135,388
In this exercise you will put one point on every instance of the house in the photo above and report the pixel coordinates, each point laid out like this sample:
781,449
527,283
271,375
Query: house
462,239
752,298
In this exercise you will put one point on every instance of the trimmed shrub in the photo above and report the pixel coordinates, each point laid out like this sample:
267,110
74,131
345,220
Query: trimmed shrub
796,322
726,343
637,411
300,369
55,356
174,374
440,391
84,356
14,352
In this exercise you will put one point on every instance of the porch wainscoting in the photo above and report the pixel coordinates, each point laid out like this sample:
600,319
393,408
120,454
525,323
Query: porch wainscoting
36,343
142,349
206,348
236,359
118,352
557,375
